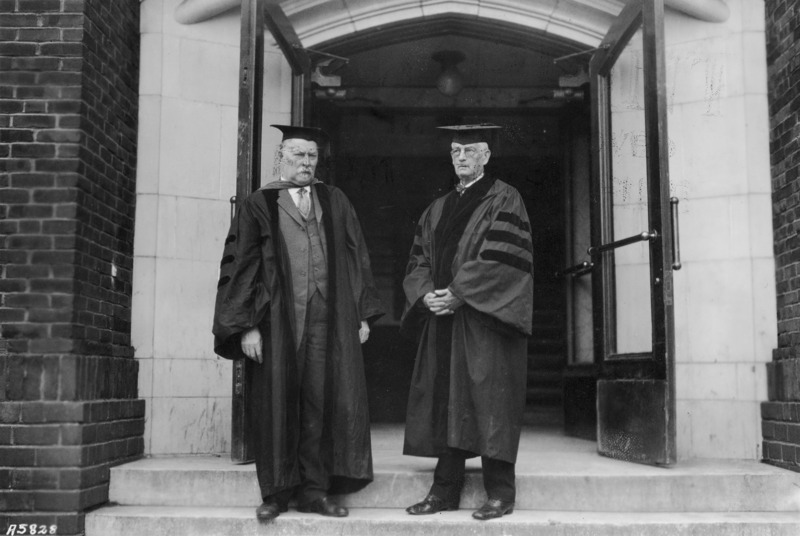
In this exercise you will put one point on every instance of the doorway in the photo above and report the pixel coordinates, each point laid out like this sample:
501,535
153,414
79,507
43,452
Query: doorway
392,161
512,73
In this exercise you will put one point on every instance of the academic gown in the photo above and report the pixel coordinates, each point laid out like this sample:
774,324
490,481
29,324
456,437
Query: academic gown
469,381
255,289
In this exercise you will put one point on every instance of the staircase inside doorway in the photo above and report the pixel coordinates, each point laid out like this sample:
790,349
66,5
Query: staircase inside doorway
546,359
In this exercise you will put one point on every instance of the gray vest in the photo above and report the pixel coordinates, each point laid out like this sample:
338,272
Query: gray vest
305,242
317,267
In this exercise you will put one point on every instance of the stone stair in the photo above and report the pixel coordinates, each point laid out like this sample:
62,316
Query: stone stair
563,488
546,363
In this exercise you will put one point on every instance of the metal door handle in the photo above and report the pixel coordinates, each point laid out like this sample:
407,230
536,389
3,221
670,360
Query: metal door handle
676,242
641,237
578,270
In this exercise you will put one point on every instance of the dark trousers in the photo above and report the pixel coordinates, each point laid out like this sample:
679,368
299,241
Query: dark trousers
448,477
311,361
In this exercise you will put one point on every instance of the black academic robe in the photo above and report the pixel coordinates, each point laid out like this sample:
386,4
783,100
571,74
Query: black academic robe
255,290
469,381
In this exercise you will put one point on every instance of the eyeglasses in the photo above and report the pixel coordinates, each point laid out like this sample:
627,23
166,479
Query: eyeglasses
469,151
299,155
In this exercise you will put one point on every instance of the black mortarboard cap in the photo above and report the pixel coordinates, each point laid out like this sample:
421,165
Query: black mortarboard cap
314,134
481,132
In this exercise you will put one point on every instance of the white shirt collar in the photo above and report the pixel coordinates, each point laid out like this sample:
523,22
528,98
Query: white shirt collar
294,192
474,181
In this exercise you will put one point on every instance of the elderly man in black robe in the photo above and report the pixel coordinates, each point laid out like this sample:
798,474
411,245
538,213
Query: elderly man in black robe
469,286
296,296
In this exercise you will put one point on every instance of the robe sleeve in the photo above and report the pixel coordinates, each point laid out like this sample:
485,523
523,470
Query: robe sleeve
499,282
365,294
419,277
242,297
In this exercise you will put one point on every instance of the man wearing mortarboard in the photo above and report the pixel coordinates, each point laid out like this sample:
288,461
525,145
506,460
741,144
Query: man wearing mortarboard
296,296
469,288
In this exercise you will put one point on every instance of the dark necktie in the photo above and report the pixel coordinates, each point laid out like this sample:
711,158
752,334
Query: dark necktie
304,203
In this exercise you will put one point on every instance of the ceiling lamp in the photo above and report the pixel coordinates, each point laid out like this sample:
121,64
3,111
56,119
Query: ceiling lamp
450,80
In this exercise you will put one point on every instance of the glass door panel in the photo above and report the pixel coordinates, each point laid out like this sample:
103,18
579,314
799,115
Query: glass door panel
631,263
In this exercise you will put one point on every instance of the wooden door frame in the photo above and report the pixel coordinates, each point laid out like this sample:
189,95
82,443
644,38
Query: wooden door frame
256,16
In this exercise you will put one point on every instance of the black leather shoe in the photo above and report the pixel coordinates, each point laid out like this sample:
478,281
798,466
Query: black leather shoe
492,509
268,511
323,506
431,505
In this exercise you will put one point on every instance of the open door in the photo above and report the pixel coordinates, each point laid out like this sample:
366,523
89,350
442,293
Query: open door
632,252
258,15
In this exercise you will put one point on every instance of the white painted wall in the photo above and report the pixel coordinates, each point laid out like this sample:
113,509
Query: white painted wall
186,175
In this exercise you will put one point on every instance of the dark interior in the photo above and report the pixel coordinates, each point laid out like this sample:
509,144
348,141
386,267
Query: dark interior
382,108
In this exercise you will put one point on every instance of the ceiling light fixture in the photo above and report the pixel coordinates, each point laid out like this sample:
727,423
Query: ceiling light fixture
450,81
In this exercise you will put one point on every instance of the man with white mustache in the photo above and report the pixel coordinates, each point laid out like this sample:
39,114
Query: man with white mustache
296,296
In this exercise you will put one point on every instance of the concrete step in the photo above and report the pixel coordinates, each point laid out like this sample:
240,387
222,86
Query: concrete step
544,395
551,328
544,415
546,315
554,473
545,345
240,521
543,376
542,360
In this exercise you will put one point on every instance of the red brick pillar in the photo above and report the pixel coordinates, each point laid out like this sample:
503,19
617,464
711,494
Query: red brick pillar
781,415
68,379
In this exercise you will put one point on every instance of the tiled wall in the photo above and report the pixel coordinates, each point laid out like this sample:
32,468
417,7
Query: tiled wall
719,169
186,176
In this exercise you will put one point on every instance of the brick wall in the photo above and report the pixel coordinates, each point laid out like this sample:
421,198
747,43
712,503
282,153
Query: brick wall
781,415
68,380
